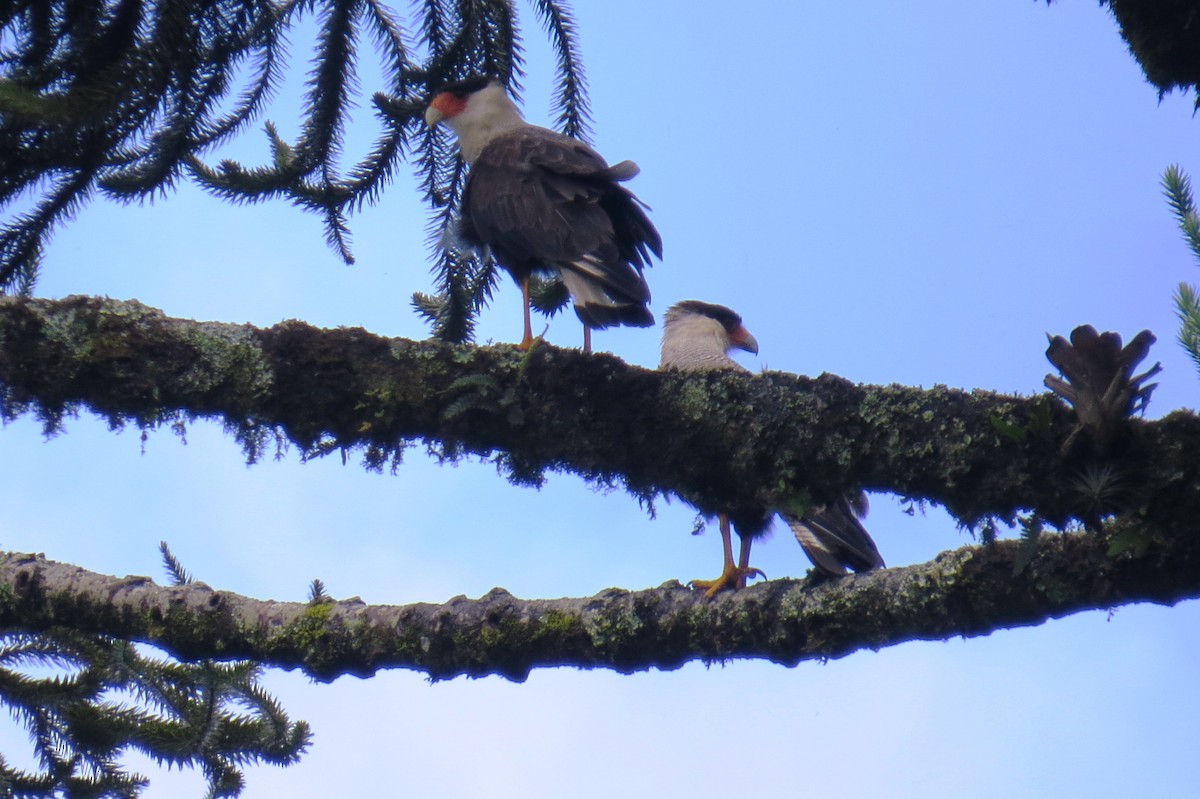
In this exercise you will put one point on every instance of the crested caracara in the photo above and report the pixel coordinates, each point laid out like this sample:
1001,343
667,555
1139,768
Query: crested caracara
545,203
698,336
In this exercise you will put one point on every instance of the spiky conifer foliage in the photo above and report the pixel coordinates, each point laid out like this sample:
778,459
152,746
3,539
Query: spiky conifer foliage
126,97
86,700
477,38
1178,189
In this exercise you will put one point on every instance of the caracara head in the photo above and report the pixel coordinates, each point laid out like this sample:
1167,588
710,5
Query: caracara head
477,109
699,335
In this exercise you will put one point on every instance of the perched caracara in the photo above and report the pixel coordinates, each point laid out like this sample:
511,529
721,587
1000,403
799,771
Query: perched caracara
545,203
699,335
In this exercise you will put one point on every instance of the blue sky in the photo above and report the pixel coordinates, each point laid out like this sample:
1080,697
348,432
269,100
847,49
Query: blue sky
893,192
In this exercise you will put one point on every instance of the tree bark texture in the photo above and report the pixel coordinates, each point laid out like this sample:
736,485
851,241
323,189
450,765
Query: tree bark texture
721,441
970,591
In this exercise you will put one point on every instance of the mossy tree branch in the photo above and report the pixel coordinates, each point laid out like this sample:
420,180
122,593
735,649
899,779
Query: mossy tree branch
720,441
1164,37
717,440
967,592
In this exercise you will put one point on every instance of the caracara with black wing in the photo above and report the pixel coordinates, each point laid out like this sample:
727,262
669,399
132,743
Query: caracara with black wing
699,336
544,203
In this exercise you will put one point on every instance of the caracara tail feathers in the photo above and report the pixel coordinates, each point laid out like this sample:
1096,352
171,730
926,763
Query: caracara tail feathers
601,302
607,293
834,539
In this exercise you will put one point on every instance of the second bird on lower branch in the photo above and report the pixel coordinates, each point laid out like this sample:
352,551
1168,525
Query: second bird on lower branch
699,336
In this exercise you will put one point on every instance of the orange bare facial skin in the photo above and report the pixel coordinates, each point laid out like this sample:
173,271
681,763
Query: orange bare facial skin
449,104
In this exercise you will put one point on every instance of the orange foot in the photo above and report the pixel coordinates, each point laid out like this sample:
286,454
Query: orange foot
529,343
732,577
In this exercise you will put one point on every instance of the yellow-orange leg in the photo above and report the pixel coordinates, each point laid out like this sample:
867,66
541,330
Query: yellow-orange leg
732,576
744,569
527,341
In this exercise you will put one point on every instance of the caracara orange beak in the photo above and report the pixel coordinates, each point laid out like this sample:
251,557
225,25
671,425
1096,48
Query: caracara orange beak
742,339
434,114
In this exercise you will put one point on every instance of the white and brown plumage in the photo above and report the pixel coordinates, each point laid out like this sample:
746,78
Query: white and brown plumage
700,335
543,202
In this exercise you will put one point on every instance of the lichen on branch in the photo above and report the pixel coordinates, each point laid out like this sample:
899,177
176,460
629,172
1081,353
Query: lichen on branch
966,592
719,441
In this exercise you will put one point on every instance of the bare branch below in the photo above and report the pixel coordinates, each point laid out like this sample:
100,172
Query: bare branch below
966,592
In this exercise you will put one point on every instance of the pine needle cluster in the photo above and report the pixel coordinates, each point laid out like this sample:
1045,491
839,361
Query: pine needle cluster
112,97
124,98
87,700
1178,189
102,698
465,39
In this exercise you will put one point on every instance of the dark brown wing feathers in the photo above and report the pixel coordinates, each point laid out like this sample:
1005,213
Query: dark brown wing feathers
542,202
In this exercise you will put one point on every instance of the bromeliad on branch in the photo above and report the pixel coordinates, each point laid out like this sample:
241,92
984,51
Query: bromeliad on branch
1099,383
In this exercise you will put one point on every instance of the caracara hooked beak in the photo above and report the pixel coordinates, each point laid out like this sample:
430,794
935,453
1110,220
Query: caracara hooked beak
742,339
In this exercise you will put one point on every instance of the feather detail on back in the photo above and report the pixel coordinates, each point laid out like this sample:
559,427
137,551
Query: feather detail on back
544,202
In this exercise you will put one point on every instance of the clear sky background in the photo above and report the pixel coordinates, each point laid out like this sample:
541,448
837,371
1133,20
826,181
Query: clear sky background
893,192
